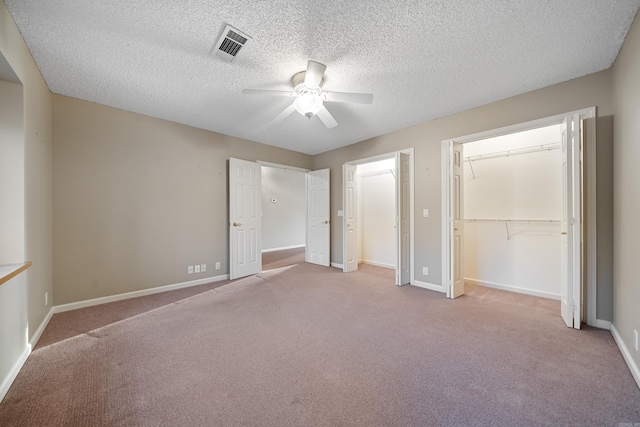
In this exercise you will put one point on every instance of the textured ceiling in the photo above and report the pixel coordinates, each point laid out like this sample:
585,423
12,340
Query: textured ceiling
421,59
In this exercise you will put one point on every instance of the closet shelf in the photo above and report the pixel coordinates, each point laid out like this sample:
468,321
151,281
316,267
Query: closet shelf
525,221
506,222
515,152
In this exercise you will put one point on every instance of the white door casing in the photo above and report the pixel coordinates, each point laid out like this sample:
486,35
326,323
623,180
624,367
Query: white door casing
318,217
571,224
245,222
350,223
403,225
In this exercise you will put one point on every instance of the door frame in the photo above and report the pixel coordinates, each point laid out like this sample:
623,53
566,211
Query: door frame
385,156
588,185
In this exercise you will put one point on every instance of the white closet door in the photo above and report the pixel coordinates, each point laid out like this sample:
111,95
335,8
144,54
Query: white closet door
457,216
350,231
403,266
570,291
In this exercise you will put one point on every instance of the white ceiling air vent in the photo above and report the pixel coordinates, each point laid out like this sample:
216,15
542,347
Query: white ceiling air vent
230,43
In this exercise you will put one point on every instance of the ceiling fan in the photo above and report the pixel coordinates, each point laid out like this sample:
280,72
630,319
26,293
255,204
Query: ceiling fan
309,96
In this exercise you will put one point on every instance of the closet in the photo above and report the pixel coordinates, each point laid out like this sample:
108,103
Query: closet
512,211
376,194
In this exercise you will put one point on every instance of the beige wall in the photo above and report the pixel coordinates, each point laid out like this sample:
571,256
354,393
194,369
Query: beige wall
584,92
25,294
138,199
626,197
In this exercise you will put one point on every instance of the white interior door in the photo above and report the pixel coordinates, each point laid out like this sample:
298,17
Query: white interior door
457,222
318,217
403,211
245,222
350,231
570,292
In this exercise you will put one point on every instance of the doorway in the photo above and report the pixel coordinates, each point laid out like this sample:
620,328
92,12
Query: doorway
378,213
245,216
284,215
574,255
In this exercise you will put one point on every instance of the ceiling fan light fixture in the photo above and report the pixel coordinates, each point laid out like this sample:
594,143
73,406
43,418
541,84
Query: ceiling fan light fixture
308,104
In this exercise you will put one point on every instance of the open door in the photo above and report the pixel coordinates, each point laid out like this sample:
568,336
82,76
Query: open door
455,227
245,222
403,211
350,244
318,217
570,285
458,221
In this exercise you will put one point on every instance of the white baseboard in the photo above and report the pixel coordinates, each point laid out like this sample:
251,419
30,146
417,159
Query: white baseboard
284,248
430,286
626,354
513,289
336,265
602,324
378,264
4,388
119,297
6,383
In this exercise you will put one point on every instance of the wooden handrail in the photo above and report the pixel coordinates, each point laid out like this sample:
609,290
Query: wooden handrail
9,271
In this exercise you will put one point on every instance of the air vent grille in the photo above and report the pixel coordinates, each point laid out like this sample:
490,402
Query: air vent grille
230,43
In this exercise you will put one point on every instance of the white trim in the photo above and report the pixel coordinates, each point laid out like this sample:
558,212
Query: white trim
626,354
119,297
510,288
603,324
378,264
279,166
336,265
15,370
586,113
284,248
429,286
38,333
13,373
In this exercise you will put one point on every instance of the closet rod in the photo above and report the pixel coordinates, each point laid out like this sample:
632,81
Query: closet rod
526,221
517,151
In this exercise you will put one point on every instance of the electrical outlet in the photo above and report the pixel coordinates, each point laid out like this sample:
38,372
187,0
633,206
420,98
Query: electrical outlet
635,339
190,269
217,266
197,268
203,268
425,271
46,299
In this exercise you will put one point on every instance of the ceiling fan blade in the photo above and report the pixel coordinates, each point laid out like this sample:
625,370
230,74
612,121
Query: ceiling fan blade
267,92
313,77
280,117
326,117
358,98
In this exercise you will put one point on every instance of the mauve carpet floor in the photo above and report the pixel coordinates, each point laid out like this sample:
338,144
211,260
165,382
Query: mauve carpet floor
306,345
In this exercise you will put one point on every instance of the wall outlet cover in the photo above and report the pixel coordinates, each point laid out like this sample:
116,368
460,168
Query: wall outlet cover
217,266
197,269
190,269
203,268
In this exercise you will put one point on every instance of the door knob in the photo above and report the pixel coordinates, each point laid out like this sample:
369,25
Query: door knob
563,233
455,229
236,224
326,222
